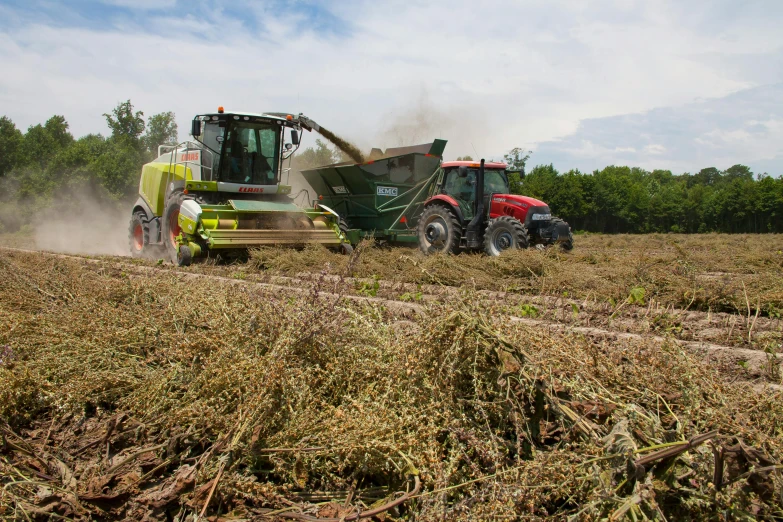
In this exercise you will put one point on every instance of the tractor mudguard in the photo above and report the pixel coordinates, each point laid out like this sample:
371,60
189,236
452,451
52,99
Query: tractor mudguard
450,202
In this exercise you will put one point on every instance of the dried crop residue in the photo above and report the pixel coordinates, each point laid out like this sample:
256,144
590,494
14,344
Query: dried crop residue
120,403
348,148
603,269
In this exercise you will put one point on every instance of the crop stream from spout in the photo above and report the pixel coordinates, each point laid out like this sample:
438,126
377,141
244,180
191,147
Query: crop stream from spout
349,149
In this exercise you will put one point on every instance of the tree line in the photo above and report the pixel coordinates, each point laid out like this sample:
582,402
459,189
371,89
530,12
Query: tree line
47,164
37,165
620,199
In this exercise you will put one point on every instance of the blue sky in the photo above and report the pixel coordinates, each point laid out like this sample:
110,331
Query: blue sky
665,84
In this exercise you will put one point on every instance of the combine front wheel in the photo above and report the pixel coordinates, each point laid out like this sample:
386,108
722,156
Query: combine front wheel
184,256
171,225
504,233
439,231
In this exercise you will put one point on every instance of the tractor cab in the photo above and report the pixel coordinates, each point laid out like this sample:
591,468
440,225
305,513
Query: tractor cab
459,182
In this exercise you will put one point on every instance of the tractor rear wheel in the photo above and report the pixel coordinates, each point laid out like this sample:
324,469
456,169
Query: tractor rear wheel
138,236
504,233
171,224
439,231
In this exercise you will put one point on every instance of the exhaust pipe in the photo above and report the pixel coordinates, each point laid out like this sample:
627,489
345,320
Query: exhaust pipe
474,233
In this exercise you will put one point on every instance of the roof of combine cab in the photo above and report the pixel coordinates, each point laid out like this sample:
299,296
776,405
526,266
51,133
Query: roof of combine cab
474,164
240,114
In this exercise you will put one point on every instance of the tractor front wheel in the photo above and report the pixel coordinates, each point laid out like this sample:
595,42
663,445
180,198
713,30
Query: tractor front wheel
439,231
171,225
568,244
504,233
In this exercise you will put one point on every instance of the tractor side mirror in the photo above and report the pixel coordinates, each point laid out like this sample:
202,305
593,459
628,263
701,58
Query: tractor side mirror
195,128
463,171
294,137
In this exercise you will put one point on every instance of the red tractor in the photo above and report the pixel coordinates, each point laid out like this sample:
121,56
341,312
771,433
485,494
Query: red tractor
472,209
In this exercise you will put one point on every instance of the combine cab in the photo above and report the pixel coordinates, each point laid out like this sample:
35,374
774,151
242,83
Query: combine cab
222,192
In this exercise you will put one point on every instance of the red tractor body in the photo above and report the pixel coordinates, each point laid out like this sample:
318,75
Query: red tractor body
471,208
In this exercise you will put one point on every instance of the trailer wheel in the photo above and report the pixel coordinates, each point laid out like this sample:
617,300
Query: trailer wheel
171,225
138,236
504,233
439,231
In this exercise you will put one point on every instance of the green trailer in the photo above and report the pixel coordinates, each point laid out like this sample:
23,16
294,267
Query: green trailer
383,197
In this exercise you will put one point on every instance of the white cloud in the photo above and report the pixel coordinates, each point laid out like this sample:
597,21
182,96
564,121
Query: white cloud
493,77
654,149
142,4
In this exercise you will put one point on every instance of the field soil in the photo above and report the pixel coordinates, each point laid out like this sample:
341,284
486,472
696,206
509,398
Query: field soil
634,377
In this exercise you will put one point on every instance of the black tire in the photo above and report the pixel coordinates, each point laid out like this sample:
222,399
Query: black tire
184,256
504,233
138,236
567,245
344,228
346,249
169,232
439,231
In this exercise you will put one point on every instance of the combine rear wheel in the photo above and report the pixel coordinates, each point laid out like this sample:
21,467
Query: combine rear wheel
504,233
171,225
439,231
138,236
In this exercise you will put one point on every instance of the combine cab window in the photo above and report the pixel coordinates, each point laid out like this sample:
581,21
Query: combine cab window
250,154
210,136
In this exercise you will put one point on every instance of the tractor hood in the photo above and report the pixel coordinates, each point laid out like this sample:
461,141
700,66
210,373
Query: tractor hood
520,201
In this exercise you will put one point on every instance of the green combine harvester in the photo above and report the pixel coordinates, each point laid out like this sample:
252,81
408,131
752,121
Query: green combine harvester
222,193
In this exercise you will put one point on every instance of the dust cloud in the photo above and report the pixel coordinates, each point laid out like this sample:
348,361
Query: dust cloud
421,121
83,223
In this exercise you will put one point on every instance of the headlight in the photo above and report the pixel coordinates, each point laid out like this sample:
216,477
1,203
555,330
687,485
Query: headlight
541,217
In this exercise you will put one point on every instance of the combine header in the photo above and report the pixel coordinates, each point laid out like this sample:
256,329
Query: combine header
410,195
222,193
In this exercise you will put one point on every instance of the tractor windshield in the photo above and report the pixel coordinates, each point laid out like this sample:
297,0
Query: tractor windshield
463,189
495,182
250,154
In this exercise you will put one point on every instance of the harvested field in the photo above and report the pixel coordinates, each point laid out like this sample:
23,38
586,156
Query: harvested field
305,383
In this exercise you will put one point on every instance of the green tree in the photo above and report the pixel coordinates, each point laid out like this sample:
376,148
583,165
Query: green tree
319,156
516,158
161,129
464,158
11,140
125,124
44,142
